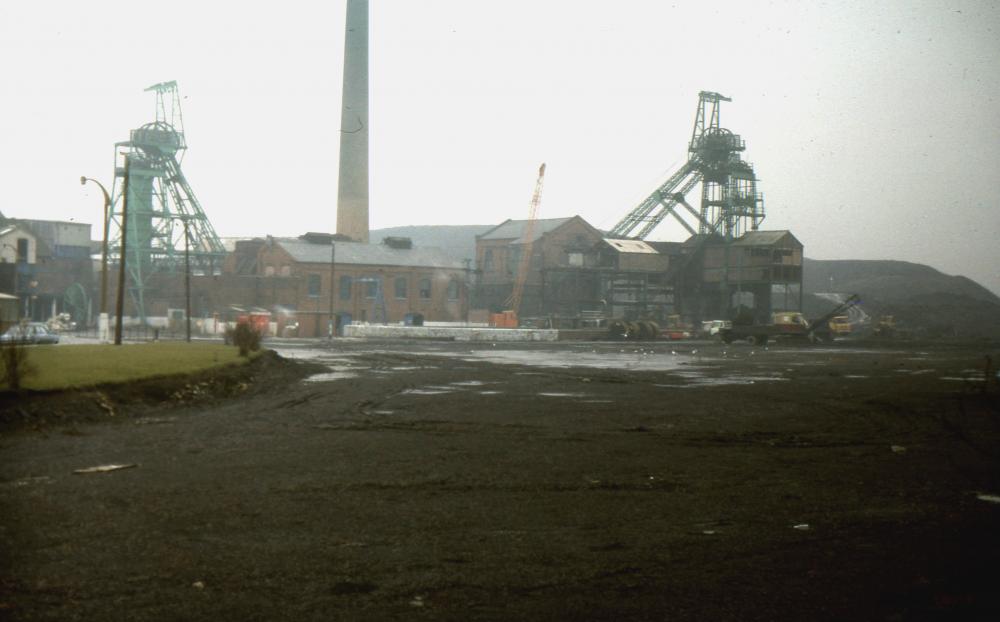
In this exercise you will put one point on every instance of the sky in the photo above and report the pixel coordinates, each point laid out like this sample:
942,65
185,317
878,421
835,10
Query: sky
874,127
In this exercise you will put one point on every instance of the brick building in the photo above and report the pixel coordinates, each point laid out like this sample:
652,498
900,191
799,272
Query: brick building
48,263
372,282
760,270
573,270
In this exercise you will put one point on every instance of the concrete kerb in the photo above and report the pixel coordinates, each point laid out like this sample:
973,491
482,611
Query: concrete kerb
378,331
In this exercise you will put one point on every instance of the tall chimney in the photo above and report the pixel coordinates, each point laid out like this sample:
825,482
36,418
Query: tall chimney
352,192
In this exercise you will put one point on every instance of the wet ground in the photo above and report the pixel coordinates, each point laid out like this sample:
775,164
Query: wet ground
682,481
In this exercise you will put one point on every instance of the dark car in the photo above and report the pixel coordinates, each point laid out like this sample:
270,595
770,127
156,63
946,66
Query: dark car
32,332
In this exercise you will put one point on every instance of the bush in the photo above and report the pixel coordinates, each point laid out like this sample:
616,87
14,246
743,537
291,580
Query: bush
243,337
16,366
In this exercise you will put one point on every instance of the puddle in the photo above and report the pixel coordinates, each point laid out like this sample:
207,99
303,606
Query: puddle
427,391
490,392
470,383
333,375
695,380
28,481
958,379
556,394
623,359
855,376
988,498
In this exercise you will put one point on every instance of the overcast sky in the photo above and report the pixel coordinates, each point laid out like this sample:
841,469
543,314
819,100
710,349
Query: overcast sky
873,126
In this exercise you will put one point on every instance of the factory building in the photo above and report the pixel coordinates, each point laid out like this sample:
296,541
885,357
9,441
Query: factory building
381,283
46,265
575,272
759,272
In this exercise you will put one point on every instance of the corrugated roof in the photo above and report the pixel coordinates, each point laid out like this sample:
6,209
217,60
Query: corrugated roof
368,254
630,246
514,229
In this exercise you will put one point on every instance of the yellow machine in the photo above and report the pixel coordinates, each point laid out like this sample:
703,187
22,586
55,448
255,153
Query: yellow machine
840,325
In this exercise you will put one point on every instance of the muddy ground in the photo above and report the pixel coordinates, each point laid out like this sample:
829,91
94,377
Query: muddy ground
516,482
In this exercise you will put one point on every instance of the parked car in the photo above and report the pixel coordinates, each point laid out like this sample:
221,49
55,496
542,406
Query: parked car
711,328
30,333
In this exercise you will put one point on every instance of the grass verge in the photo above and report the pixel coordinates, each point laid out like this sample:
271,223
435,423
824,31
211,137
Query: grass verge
77,366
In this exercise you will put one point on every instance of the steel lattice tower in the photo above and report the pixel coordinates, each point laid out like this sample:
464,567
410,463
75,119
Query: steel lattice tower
730,203
162,207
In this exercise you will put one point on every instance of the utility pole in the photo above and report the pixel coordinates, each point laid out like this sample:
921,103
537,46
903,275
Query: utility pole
187,281
333,282
120,303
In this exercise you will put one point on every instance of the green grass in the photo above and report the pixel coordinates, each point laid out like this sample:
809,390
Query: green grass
74,366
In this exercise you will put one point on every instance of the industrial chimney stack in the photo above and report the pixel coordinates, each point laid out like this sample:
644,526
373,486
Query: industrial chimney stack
352,192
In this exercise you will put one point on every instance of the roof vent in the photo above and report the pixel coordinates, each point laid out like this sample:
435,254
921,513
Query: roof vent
398,242
314,237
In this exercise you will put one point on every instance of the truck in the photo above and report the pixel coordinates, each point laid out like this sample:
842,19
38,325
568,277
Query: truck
790,324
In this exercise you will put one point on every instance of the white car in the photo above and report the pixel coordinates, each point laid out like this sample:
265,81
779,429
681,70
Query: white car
711,328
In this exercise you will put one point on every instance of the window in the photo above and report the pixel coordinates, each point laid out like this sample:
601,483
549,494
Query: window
345,287
453,289
400,287
425,289
268,270
22,250
313,285
286,271
513,259
488,260
576,259
371,287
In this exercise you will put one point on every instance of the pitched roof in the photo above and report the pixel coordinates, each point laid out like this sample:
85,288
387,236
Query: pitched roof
514,229
367,254
762,238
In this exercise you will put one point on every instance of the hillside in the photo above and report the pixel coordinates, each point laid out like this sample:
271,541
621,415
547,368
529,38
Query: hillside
889,281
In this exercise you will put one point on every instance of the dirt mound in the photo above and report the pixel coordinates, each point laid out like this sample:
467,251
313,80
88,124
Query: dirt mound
39,409
883,283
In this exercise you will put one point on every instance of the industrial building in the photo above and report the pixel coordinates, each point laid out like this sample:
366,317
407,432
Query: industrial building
46,265
381,283
576,272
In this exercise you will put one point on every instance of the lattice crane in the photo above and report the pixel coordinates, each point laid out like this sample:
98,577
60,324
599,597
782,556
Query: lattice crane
527,243
730,202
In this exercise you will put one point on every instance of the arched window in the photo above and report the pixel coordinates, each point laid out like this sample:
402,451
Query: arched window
425,289
453,289
400,287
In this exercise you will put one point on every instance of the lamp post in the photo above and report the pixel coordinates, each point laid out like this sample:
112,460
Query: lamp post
120,302
102,321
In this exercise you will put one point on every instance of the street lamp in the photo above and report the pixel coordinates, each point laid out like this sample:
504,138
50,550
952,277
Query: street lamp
102,322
